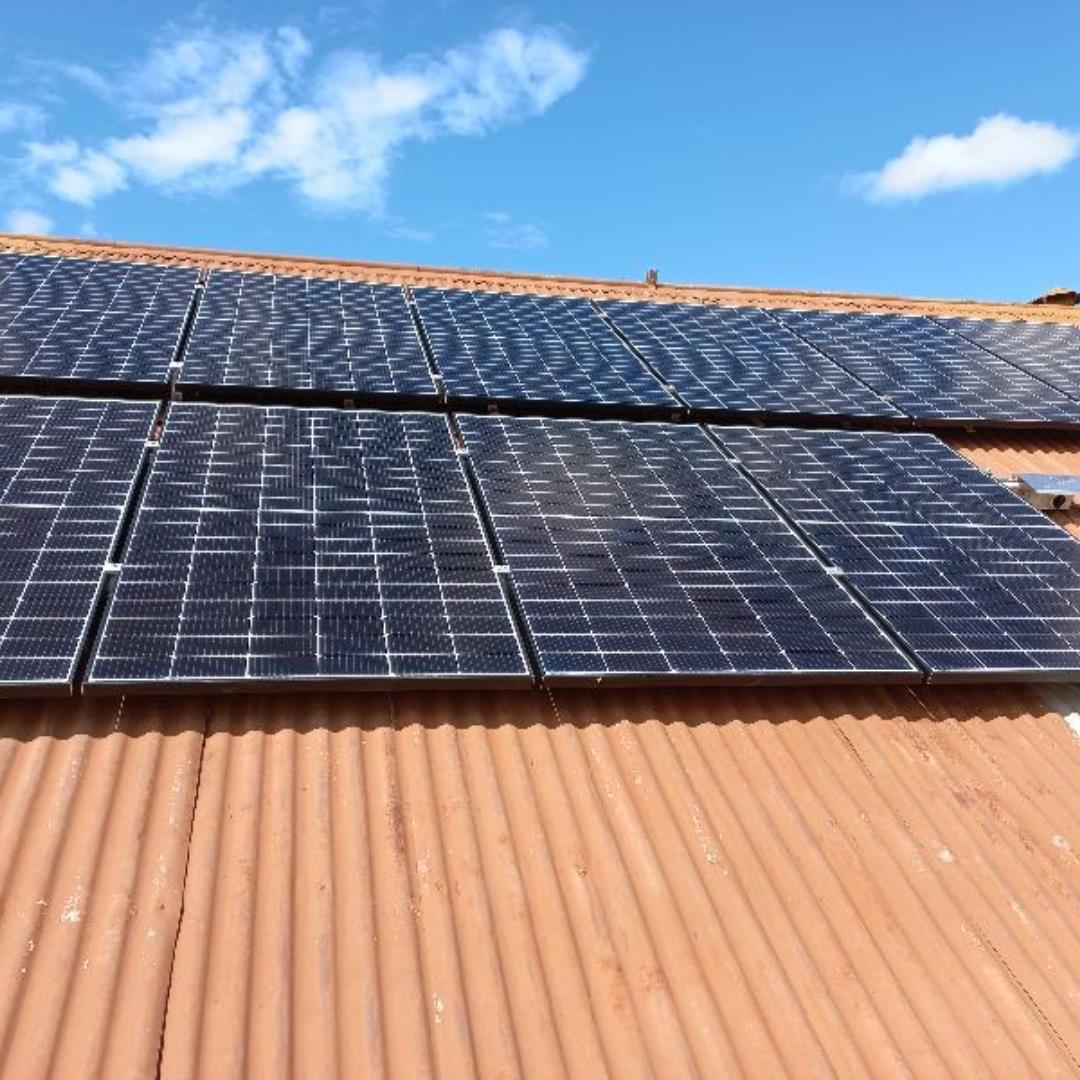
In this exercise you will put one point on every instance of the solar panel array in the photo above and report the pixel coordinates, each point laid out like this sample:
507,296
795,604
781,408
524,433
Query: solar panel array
638,550
81,319
66,471
278,543
304,333
968,575
740,359
504,347
275,544
927,371
1049,352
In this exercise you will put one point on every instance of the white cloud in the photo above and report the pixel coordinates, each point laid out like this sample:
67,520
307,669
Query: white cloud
18,116
215,110
183,145
28,221
503,231
1001,150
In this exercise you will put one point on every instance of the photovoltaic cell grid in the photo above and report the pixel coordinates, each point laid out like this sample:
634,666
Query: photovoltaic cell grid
740,359
66,470
285,543
1049,352
90,319
507,347
303,333
638,550
927,371
968,575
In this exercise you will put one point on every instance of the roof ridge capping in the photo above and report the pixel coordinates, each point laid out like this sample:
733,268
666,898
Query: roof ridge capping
513,281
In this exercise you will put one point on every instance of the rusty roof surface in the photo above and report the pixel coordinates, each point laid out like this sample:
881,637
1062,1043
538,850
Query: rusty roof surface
506,281
626,883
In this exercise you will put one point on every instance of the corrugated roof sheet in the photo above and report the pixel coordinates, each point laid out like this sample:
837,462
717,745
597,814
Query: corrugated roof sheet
632,883
96,803
507,281
621,882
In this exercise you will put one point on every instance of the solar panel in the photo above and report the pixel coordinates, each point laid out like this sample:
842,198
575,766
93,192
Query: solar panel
1048,351
305,334
91,320
739,359
638,551
970,577
66,471
284,544
927,371
502,347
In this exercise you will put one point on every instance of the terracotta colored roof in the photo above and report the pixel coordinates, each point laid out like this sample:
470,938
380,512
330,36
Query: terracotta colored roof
618,883
503,281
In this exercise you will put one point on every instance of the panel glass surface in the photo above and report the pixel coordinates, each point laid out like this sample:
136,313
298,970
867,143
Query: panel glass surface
929,372
66,471
304,333
90,319
966,573
636,549
1049,352
278,543
740,359
508,347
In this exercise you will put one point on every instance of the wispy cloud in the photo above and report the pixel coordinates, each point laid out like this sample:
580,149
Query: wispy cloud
19,116
1001,150
214,110
504,231
27,221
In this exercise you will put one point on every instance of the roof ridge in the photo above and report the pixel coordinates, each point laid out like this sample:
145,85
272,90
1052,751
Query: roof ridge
517,281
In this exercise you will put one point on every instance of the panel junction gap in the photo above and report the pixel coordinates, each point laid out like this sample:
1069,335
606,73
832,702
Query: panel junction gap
832,360
94,624
495,552
177,362
835,572
999,355
641,359
425,346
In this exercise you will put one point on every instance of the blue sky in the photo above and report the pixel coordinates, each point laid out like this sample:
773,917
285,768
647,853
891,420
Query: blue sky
744,144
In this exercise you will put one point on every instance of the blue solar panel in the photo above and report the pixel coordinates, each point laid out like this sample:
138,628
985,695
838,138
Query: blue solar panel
974,580
1048,351
929,372
284,544
739,359
66,471
80,319
308,334
638,551
502,347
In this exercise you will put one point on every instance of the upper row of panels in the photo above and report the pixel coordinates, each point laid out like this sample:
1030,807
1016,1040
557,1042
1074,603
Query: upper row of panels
303,338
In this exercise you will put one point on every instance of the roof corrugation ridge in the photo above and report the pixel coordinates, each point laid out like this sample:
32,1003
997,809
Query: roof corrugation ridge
506,281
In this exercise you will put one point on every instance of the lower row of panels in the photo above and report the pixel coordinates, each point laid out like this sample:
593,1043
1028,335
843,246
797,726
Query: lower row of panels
362,547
